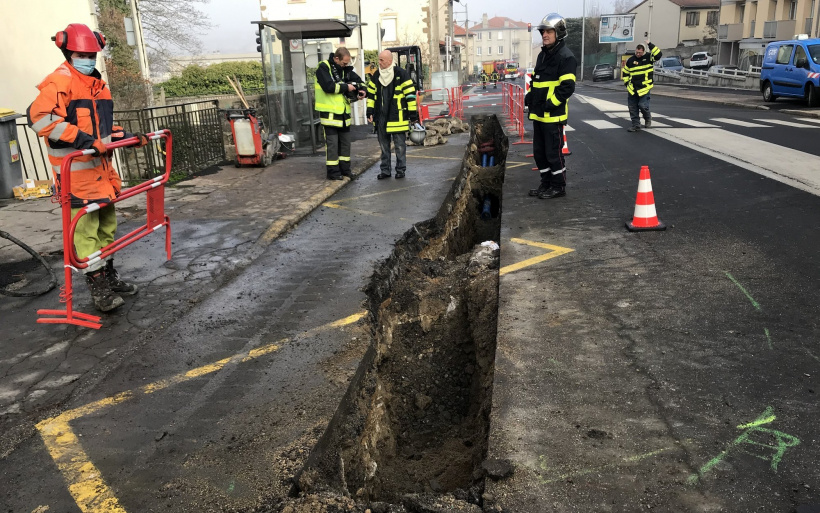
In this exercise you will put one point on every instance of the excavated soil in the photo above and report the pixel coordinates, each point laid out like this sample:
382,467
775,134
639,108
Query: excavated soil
411,432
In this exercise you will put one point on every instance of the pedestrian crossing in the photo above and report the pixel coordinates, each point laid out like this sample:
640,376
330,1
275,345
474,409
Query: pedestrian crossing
659,120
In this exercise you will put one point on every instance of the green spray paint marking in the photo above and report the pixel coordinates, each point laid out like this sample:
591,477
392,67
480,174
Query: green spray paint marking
754,303
768,338
232,486
783,441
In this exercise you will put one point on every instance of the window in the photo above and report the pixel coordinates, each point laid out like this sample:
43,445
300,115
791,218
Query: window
500,50
389,25
793,10
784,54
478,50
693,19
489,50
478,36
742,10
712,17
800,54
500,35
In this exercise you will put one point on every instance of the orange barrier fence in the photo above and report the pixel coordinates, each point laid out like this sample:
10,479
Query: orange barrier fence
155,219
454,101
513,102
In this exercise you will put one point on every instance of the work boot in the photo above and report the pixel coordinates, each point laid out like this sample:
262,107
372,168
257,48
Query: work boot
552,192
383,175
117,286
335,177
634,128
104,299
647,121
347,173
399,174
541,188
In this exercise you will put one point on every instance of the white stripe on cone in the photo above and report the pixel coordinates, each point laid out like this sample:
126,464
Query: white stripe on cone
645,211
644,185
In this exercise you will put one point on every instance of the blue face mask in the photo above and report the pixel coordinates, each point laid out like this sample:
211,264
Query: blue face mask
84,66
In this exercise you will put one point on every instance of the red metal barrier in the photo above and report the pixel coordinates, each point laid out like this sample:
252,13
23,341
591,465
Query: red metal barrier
156,218
513,100
424,108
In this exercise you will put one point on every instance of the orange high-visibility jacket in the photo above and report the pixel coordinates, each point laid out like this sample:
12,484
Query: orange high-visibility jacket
70,113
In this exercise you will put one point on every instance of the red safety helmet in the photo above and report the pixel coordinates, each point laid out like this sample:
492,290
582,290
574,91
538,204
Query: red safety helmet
79,38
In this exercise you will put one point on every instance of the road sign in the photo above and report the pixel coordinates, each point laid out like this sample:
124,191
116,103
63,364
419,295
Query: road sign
351,19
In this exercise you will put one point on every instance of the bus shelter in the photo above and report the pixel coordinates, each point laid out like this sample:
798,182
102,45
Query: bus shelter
291,51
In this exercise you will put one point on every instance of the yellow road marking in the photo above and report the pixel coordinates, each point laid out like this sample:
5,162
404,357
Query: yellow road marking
432,157
333,204
554,252
84,480
517,164
583,472
354,198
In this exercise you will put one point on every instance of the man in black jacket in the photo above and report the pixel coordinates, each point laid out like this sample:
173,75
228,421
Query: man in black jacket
391,106
337,85
637,77
553,82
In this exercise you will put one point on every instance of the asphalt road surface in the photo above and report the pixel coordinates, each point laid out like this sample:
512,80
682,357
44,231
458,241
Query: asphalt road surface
665,371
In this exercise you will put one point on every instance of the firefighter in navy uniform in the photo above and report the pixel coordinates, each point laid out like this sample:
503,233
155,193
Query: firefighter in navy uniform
74,111
336,86
553,82
637,77
495,79
484,79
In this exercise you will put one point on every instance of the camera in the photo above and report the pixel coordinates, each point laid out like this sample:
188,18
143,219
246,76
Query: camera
354,95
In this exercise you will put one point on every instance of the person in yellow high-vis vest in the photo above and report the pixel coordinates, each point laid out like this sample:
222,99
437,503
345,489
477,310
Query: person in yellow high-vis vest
336,86
637,77
553,82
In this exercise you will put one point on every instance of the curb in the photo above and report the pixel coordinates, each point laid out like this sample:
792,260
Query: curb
283,224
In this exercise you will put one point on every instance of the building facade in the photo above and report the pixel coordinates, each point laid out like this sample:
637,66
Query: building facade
500,38
676,23
747,26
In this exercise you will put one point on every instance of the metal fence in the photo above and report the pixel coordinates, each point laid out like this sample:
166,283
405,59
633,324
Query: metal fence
198,142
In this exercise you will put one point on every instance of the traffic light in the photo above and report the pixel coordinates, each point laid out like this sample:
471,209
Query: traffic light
529,27
258,42
426,20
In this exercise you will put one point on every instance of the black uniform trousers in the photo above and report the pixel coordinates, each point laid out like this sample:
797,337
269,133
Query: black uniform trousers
547,149
337,144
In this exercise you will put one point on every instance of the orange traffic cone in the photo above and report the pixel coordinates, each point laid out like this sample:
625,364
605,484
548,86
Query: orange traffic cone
645,217
565,150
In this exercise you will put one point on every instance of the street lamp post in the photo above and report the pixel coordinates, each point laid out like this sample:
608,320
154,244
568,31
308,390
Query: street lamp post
583,36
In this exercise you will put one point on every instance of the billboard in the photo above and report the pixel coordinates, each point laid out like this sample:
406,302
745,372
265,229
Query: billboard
617,28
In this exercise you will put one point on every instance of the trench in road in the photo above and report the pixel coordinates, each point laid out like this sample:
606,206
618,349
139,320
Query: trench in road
413,424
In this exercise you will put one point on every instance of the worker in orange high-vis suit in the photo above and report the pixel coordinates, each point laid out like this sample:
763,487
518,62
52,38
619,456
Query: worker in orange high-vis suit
74,111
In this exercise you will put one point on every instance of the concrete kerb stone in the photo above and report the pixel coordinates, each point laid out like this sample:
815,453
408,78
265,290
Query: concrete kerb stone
283,224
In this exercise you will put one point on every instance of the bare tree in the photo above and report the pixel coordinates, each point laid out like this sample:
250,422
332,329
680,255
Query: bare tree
173,25
623,6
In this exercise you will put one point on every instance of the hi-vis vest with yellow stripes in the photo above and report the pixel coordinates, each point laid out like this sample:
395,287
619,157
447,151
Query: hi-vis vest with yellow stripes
402,105
637,73
554,71
333,108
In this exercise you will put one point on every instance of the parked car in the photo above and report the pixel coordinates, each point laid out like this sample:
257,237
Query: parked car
603,72
672,63
792,68
700,60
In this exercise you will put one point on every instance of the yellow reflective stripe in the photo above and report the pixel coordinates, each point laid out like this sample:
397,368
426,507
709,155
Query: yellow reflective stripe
411,106
344,159
331,122
568,76
370,103
406,83
549,119
548,83
331,162
555,101
655,51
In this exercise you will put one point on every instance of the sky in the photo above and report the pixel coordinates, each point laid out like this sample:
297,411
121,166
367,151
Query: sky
233,32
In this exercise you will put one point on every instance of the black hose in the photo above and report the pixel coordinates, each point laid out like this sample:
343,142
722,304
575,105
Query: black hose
53,280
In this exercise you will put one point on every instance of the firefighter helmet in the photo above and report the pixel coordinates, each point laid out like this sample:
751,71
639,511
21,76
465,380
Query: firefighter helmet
556,22
417,135
79,38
